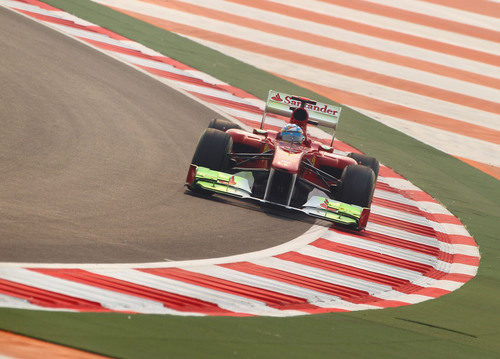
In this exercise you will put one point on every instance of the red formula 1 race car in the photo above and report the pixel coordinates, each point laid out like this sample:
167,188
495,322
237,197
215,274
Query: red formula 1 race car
285,167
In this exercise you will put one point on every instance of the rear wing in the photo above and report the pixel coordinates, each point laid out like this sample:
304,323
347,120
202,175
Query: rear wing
280,103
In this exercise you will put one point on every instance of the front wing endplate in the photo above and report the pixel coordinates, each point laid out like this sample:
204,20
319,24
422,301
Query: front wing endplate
219,182
336,211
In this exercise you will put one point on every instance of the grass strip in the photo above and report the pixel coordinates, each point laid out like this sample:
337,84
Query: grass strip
319,336
431,329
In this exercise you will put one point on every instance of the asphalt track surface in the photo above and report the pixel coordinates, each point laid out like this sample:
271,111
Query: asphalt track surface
93,157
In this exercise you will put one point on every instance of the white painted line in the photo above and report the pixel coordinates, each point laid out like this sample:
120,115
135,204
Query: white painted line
402,216
445,12
108,299
467,250
389,23
151,63
209,79
453,229
364,264
391,196
400,183
231,302
446,141
329,31
376,247
314,297
7,301
311,234
406,298
220,94
67,30
447,285
341,57
322,275
463,269
32,8
400,234
362,87
434,208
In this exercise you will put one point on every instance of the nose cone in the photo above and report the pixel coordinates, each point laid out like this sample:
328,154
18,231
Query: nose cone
287,157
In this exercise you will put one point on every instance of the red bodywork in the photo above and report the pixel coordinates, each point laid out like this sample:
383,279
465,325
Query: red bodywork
288,157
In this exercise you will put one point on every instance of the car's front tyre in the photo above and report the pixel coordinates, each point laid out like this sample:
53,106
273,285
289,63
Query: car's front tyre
212,152
357,186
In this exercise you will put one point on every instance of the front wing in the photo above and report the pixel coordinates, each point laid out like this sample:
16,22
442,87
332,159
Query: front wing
205,179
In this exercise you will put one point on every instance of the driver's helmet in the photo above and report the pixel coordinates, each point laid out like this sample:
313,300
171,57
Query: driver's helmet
292,133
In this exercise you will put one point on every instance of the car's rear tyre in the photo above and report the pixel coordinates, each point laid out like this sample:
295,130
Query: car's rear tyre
367,161
357,186
222,125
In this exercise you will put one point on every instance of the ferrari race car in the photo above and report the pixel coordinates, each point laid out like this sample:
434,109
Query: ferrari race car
283,168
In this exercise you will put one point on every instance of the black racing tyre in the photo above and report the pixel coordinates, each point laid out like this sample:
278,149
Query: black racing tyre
213,149
300,194
357,186
222,125
367,161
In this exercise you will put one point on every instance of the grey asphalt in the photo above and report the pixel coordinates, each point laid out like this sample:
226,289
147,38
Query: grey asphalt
93,157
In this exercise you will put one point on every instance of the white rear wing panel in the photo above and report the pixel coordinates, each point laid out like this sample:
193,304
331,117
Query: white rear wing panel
282,104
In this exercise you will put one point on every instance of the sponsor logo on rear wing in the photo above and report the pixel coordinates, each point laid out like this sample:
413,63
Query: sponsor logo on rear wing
283,104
